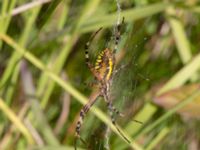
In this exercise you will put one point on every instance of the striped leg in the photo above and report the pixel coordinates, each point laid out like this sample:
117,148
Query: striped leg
114,123
87,45
112,109
118,34
83,112
105,93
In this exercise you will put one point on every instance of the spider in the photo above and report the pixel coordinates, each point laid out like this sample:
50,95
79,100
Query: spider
103,71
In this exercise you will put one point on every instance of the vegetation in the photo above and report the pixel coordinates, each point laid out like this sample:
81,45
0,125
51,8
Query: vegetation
44,80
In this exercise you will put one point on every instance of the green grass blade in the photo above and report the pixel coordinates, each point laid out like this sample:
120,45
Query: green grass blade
157,139
130,16
183,75
133,127
45,18
14,119
172,111
183,45
7,7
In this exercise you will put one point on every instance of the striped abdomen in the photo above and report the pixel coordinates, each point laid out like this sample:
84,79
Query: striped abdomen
104,65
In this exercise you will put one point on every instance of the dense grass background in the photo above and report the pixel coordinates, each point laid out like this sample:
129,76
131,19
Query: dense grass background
44,80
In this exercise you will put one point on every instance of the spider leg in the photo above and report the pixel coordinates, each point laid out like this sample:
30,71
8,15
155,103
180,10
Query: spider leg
75,142
114,109
118,34
109,103
87,45
83,112
111,110
114,123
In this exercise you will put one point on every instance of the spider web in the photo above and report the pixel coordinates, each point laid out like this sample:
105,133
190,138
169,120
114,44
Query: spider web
125,83
107,134
119,80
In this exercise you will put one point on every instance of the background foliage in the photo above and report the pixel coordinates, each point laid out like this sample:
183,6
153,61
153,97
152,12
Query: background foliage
44,80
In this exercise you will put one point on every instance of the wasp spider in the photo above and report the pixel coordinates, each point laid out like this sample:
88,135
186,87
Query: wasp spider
103,72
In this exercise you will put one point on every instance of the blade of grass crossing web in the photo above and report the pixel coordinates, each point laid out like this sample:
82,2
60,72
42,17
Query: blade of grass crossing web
133,127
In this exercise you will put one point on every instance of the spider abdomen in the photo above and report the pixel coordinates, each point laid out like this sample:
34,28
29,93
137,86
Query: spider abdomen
104,65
